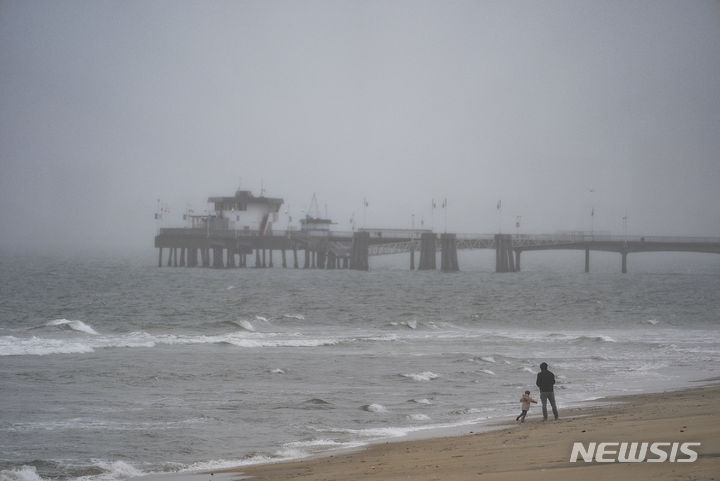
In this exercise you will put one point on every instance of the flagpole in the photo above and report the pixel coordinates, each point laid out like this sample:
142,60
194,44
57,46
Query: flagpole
365,204
445,207
499,209
432,216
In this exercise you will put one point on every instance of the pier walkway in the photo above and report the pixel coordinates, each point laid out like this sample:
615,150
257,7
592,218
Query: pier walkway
192,247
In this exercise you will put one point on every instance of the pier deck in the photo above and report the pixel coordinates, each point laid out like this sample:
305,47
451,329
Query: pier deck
219,248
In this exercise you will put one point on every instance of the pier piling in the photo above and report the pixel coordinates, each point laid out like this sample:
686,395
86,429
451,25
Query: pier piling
504,253
448,253
587,260
427,252
360,250
624,262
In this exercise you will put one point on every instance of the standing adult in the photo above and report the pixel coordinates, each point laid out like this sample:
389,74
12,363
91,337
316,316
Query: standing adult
545,382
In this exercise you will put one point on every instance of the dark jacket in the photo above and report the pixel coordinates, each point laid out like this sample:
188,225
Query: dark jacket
545,381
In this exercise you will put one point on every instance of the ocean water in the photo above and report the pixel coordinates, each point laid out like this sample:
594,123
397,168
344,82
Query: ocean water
114,369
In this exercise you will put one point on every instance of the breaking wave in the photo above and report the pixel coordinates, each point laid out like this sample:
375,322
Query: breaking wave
78,326
422,376
35,345
24,473
374,408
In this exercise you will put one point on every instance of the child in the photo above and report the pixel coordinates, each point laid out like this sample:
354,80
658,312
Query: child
525,400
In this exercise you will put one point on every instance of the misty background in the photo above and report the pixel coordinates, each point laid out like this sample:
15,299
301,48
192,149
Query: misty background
557,108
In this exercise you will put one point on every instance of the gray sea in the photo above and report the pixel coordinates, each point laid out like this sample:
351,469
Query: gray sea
113,368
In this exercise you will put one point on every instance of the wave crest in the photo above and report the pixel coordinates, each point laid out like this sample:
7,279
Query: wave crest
78,326
422,376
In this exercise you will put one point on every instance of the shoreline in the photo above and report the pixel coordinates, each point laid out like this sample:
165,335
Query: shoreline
505,450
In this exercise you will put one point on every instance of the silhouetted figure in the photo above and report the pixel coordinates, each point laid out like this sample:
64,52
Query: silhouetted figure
545,382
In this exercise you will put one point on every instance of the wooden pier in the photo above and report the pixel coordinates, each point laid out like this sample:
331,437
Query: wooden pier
223,248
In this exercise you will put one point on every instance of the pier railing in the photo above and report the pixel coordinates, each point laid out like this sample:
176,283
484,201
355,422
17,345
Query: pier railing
517,239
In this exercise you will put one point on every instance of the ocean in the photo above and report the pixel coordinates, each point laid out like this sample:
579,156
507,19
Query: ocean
114,369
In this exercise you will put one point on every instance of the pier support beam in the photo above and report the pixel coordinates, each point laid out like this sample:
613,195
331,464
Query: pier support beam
270,263
504,253
587,260
284,259
230,258
360,250
448,253
412,256
624,262
427,252
321,258
517,260
218,257
160,257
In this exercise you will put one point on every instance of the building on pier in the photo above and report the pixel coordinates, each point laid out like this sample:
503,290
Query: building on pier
315,226
245,212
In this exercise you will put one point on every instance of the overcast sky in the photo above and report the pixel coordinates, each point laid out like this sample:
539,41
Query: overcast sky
555,107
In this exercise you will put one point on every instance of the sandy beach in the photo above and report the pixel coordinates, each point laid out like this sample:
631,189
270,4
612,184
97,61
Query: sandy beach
536,449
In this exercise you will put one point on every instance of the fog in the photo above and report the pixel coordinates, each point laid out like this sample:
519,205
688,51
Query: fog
556,108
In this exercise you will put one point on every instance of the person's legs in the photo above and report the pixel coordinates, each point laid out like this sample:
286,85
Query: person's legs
551,397
543,399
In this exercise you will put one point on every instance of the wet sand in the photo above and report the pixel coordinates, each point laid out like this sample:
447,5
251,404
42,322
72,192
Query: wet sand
536,449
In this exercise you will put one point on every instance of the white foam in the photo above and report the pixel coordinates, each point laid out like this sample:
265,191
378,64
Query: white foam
216,464
423,376
289,451
73,325
488,359
299,317
277,371
375,408
246,325
314,443
24,473
487,371
418,417
422,401
116,470
14,346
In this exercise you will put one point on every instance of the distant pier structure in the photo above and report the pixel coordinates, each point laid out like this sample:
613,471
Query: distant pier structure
239,233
